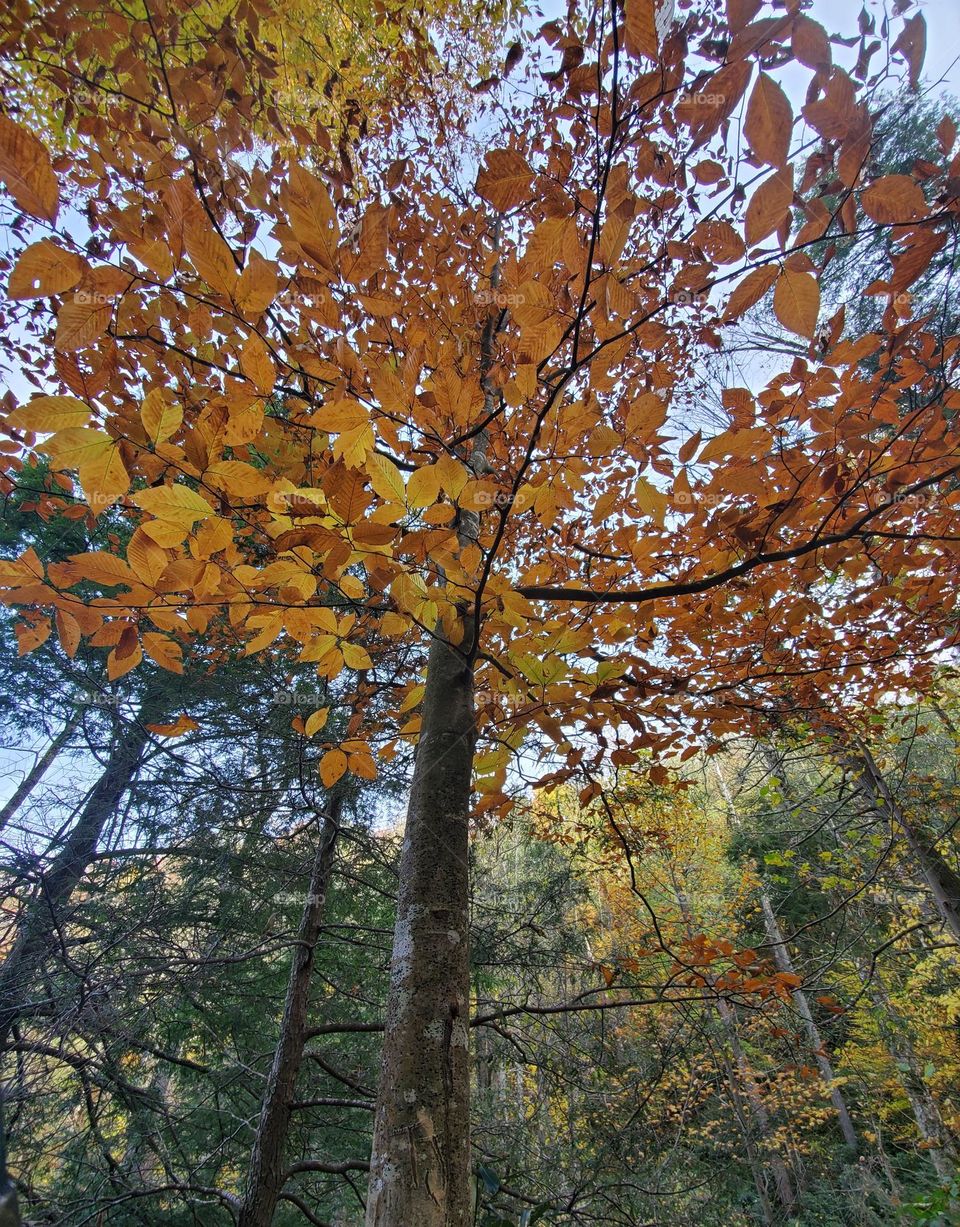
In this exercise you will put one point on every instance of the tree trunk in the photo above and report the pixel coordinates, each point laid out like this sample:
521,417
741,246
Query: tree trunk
936,1138
420,1163
747,1082
781,1176
46,912
943,882
265,1179
420,1166
785,963
36,772
9,1206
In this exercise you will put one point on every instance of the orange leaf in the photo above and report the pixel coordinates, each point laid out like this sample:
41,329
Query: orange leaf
332,766
893,199
769,121
796,302
505,179
43,269
26,173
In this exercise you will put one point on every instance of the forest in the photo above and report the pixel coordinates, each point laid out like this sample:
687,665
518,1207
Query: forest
479,614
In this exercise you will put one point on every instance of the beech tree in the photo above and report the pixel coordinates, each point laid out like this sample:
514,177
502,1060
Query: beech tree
403,403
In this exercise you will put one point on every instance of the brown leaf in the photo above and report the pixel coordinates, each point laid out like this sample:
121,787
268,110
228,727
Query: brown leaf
505,179
26,173
769,205
769,123
43,269
893,199
796,302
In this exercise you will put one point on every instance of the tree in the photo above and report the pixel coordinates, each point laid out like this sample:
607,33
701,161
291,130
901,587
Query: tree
259,348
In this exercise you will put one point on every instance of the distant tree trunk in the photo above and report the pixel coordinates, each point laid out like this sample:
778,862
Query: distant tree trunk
36,772
781,1176
938,1142
944,883
785,963
9,1207
265,1179
46,912
745,1080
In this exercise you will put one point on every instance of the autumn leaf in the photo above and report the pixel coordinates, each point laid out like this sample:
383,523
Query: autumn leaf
750,290
26,173
505,179
46,414
159,417
796,302
81,321
893,199
640,27
43,269
165,651
315,721
176,503
183,724
769,206
769,122
332,766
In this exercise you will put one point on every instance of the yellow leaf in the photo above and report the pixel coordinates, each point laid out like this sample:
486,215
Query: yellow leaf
103,478
26,172
160,419
210,256
356,657
147,560
165,651
315,721
257,365
272,625
177,504
312,217
385,478
45,414
452,474
332,766
423,486
650,500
